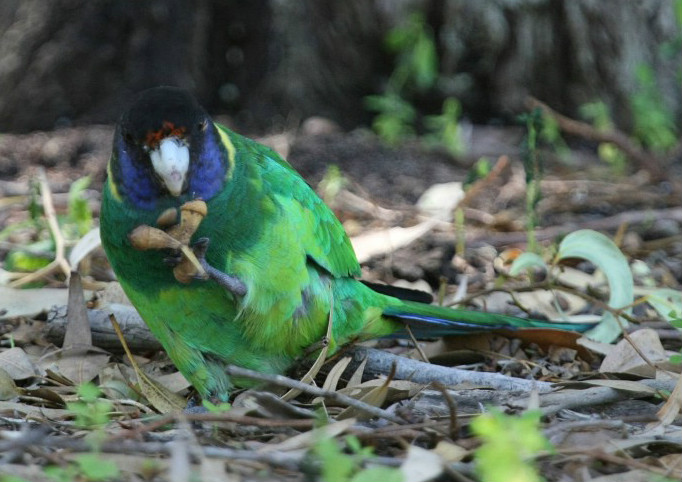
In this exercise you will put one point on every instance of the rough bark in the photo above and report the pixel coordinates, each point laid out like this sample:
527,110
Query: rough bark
80,60
564,52
277,61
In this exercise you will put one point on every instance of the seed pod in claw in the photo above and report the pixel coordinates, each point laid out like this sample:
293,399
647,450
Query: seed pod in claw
189,268
146,237
167,218
191,215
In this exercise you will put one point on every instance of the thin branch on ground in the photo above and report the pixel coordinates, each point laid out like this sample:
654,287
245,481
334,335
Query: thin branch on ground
603,224
644,160
281,380
59,262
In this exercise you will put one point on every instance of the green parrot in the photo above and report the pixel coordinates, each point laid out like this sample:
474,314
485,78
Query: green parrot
280,264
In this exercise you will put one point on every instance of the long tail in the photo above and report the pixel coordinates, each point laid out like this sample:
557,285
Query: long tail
433,321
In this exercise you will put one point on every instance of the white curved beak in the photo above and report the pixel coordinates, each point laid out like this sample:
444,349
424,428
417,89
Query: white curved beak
171,162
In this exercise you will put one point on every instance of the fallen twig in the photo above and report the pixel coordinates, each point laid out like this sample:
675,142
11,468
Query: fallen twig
572,398
603,224
380,362
59,261
283,381
644,160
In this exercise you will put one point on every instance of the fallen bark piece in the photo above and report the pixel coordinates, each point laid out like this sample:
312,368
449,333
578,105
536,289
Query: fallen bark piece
380,362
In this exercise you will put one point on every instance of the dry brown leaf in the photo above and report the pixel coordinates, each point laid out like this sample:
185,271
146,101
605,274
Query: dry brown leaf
85,245
29,303
268,405
671,461
450,453
115,382
78,332
77,365
671,408
308,439
625,359
46,394
162,399
112,294
33,412
332,380
421,465
175,382
356,377
78,361
375,396
397,389
17,364
8,390
386,241
628,385
595,346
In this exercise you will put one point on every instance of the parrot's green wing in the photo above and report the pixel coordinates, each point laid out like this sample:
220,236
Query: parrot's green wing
322,236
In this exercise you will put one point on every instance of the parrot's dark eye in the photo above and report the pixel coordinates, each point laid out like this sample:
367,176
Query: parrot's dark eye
128,137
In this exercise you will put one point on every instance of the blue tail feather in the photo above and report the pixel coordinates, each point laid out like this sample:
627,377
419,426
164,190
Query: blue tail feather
434,321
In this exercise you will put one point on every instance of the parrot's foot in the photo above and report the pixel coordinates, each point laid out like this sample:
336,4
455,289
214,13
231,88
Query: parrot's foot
193,406
231,283
211,404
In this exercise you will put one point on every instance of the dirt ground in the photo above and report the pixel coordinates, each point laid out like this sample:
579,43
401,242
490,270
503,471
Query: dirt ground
603,421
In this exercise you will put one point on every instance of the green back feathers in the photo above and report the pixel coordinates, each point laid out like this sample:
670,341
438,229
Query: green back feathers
317,229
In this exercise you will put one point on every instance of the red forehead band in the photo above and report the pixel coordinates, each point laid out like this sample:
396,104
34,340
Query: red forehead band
153,138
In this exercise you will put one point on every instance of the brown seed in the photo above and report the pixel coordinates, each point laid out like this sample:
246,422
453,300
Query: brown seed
191,215
167,218
145,237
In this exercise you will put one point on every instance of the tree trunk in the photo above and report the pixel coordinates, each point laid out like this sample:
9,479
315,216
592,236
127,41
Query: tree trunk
267,61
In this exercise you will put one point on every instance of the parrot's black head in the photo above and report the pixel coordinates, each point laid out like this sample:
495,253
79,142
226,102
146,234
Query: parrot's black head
167,145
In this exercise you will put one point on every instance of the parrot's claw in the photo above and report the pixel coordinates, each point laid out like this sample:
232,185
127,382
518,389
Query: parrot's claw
173,260
200,246
231,283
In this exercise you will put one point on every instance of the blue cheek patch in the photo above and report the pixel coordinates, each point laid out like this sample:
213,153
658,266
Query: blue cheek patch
207,175
134,182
